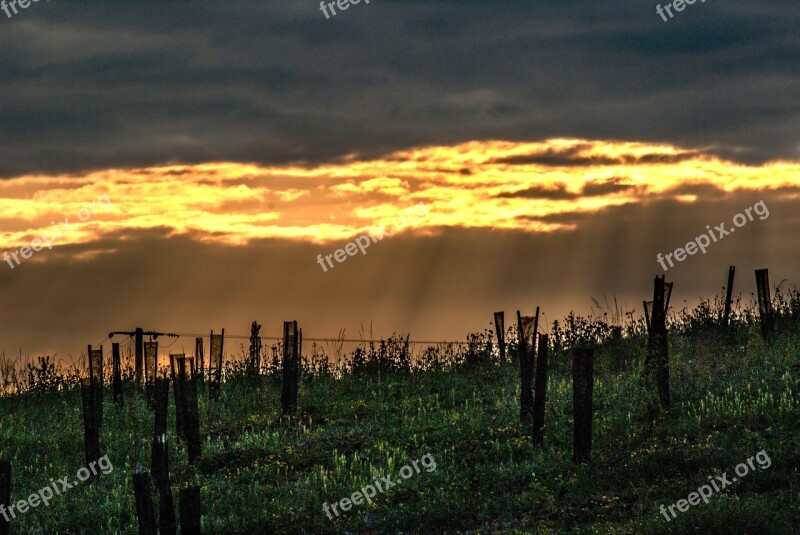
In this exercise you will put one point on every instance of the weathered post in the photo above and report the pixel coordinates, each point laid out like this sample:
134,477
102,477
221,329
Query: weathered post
290,368
91,432
139,343
728,297
144,501
159,450
160,457
657,341
5,492
540,392
96,380
255,349
582,403
150,370
500,327
177,387
200,359
526,327
187,379
116,373
166,506
189,504
765,305
215,363
663,361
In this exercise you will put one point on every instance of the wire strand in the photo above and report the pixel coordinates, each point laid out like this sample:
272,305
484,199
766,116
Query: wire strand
349,340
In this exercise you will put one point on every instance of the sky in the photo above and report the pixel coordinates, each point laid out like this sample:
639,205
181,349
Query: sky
191,166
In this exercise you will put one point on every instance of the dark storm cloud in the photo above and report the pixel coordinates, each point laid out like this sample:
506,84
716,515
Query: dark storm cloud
573,157
92,85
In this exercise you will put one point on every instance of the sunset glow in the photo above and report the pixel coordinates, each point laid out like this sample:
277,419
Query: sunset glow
496,185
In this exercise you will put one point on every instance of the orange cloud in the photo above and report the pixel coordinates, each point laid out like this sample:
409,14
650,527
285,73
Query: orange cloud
486,184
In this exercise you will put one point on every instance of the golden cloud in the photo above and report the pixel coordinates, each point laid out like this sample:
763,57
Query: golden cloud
486,184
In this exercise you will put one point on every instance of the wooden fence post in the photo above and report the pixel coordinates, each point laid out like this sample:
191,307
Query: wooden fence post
91,433
139,343
765,305
522,350
290,368
144,501
5,491
215,363
160,457
150,371
657,342
96,380
728,297
527,327
189,504
160,413
177,388
540,392
500,327
255,350
187,379
582,403
200,360
116,363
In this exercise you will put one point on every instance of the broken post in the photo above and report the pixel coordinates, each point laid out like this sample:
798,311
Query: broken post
500,327
189,505
764,305
657,341
144,501
290,368
582,403
540,392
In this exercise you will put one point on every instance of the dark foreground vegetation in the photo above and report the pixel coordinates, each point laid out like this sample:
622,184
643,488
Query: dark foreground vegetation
732,396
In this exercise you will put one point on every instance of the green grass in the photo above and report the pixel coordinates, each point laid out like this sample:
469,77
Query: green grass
260,473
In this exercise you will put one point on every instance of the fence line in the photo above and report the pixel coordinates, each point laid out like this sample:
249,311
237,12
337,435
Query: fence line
307,339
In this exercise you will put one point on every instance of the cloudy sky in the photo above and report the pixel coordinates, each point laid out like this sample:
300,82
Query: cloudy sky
192,164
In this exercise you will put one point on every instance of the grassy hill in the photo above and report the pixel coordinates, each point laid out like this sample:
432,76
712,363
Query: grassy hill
732,397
